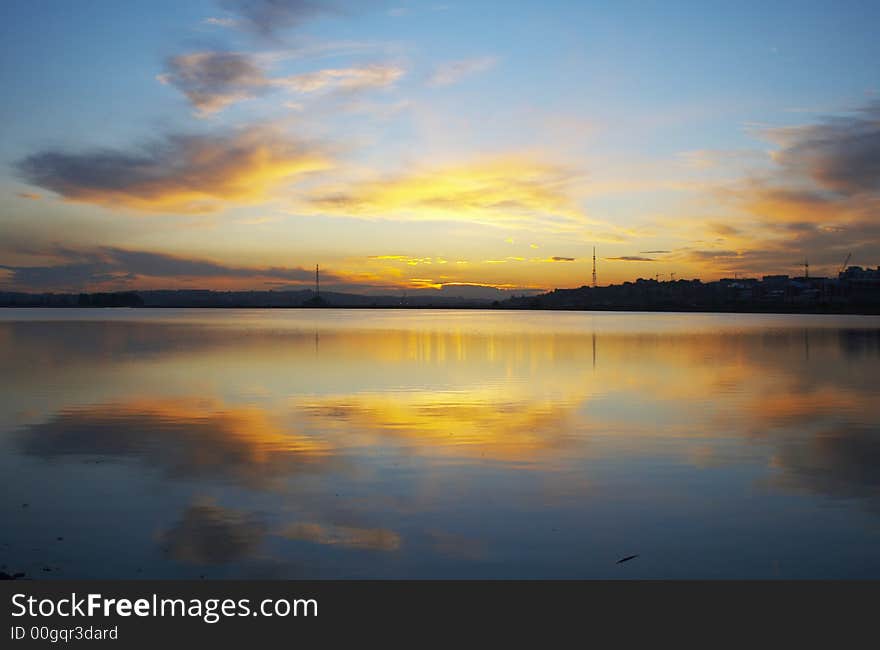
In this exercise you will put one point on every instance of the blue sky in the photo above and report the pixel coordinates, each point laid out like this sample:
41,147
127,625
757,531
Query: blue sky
420,144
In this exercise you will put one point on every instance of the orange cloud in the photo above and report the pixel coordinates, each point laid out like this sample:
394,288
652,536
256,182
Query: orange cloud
189,174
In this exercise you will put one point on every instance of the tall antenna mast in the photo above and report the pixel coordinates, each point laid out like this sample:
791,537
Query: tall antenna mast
594,267
806,269
317,281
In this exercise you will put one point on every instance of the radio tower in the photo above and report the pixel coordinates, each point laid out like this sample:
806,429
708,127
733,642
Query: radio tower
317,281
594,267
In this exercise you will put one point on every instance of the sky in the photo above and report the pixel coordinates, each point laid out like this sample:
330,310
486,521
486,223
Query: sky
234,144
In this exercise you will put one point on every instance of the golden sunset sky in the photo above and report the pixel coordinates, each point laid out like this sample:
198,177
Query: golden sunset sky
234,144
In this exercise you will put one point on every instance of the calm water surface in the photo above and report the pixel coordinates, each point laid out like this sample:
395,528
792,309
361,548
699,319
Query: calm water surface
327,444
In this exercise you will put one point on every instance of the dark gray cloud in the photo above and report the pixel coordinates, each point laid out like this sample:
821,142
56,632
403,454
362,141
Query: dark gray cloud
213,80
176,173
841,154
653,252
631,258
78,270
825,247
557,258
268,17
820,202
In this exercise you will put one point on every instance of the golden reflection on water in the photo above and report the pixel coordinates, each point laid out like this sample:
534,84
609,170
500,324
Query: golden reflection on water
330,437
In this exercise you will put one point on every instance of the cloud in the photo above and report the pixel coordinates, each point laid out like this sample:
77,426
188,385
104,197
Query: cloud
406,259
653,252
267,17
723,229
774,202
450,73
32,196
212,81
356,78
820,199
185,174
630,258
713,254
705,159
82,269
503,191
220,22
840,154
829,171
556,258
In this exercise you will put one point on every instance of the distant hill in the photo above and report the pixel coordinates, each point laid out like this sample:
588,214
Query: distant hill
207,298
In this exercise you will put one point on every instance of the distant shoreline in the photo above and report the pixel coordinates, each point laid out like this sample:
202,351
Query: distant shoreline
642,309
856,291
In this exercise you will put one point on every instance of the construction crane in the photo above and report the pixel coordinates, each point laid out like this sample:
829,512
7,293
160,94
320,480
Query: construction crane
845,262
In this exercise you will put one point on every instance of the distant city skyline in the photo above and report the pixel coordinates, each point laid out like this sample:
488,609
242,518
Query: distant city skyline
403,146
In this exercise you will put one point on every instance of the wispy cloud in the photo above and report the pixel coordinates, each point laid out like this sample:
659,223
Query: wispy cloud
355,78
220,22
630,258
212,81
405,259
267,18
512,191
452,72
177,173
